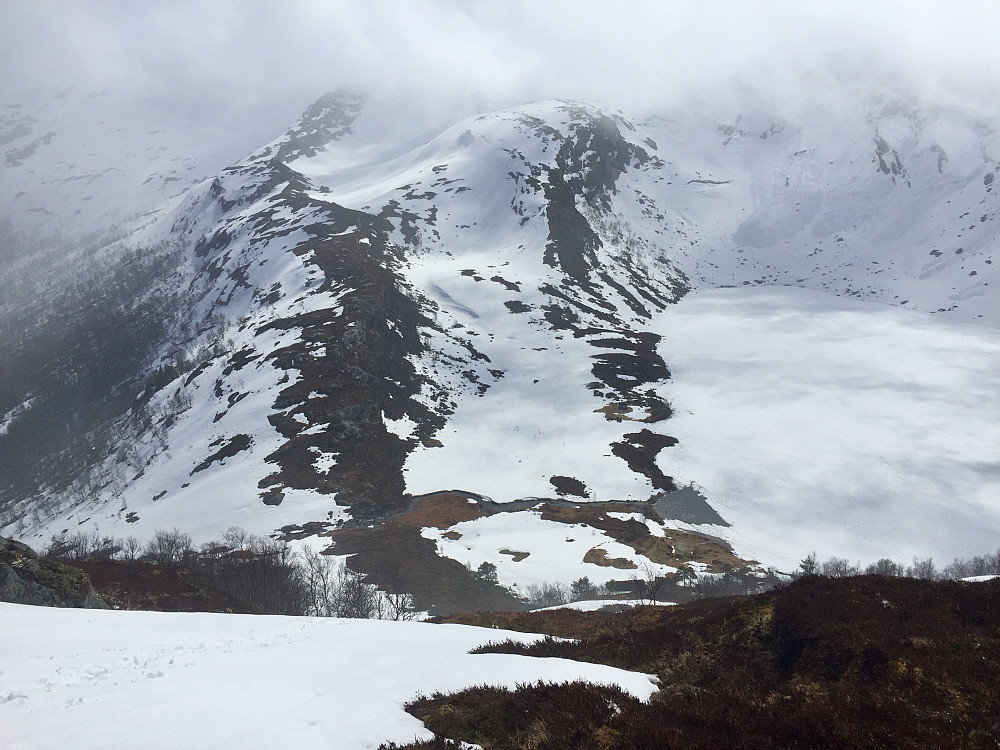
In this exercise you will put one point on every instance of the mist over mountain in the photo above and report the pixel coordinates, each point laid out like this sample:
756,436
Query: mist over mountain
625,315
345,320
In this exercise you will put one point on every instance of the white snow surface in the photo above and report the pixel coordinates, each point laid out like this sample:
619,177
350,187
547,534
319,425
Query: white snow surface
99,679
84,160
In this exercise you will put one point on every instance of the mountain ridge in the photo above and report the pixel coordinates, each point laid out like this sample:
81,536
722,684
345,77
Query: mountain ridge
348,331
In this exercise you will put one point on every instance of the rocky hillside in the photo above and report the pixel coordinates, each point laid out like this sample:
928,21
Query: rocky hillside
347,320
25,578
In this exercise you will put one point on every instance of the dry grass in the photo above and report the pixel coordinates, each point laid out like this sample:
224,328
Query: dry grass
599,556
681,547
441,510
515,555
617,413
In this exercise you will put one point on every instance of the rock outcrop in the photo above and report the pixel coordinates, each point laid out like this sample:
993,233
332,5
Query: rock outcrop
26,578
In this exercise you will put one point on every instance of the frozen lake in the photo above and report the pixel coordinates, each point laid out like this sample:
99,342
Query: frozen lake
815,422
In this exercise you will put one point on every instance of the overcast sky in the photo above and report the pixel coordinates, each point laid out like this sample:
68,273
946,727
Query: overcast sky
217,59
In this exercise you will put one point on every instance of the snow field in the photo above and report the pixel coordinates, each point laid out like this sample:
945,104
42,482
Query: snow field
97,679
539,419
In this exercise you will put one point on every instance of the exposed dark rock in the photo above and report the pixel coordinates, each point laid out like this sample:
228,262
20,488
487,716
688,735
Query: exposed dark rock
26,578
569,486
229,448
639,450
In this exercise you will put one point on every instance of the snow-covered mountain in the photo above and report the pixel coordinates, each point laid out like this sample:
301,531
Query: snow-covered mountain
356,315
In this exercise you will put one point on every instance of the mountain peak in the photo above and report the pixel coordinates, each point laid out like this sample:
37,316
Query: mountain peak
328,119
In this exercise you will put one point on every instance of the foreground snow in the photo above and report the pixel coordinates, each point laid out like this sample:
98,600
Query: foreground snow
100,679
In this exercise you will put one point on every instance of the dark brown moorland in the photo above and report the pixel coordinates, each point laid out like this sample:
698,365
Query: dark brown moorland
862,662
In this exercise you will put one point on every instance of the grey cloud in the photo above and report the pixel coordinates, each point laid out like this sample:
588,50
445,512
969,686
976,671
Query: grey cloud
241,52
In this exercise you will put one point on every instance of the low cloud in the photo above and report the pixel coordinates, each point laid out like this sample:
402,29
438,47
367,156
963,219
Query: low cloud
229,57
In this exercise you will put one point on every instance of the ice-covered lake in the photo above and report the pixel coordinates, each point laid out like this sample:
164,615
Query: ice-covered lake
816,422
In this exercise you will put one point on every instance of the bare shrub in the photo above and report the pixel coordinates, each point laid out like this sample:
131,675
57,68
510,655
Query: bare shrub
354,597
131,548
81,546
547,595
839,567
646,584
264,572
886,567
980,565
398,605
736,582
334,590
922,569
168,547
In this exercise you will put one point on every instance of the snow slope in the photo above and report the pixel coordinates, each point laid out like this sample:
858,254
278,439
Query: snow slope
98,679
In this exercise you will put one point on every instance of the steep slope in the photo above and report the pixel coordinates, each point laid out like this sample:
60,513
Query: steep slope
271,257
75,160
353,320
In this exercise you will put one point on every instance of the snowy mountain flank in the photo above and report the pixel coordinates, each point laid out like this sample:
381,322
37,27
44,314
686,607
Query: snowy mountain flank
627,343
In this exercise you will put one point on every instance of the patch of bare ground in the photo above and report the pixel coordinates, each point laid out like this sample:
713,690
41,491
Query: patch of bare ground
515,555
616,412
441,510
675,548
647,409
639,450
680,547
599,556
395,557
363,373
569,486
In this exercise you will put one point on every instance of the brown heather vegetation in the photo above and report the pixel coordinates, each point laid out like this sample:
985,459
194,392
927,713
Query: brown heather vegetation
599,556
859,662
143,585
441,510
